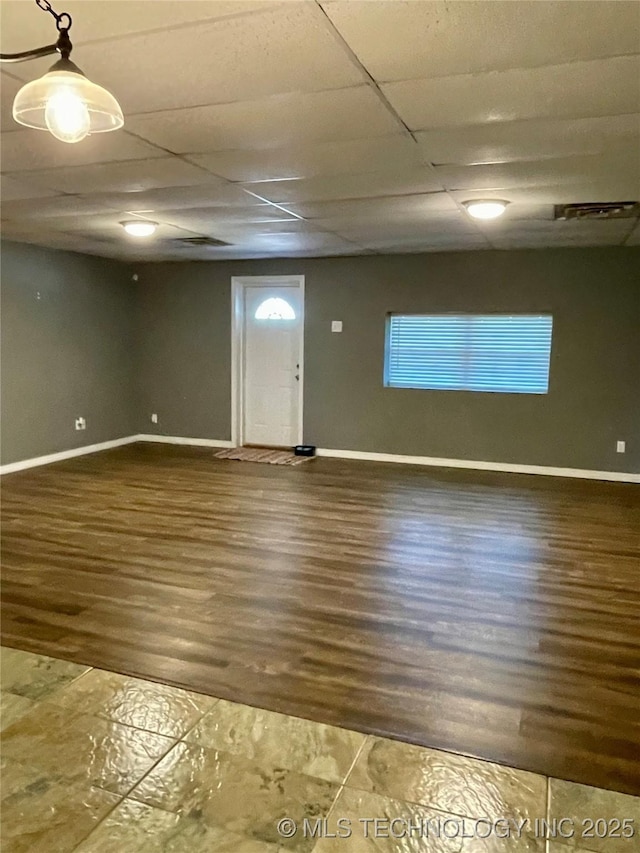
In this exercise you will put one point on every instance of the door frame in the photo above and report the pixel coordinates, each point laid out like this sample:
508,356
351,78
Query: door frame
238,287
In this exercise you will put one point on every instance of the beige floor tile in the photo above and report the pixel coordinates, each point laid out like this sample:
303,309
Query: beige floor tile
366,822
559,847
13,707
107,755
144,705
481,838
48,812
136,828
35,676
245,797
318,750
584,806
452,783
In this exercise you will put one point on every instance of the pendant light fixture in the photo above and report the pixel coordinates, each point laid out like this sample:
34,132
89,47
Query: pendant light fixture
63,101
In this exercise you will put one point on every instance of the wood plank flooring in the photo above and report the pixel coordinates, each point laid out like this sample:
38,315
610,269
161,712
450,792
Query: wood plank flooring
488,614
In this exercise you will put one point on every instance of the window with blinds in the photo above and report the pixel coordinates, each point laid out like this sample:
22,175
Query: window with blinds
469,352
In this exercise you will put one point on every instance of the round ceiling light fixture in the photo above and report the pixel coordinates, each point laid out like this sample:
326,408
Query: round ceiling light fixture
63,101
139,227
485,208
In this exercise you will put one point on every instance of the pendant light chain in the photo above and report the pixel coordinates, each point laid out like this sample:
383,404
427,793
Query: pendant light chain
63,20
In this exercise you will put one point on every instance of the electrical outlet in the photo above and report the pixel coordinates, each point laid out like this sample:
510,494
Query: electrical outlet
154,418
336,325
621,446
81,423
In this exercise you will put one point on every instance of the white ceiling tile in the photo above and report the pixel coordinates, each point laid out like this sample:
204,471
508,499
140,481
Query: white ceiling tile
23,232
328,158
579,90
8,90
570,227
517,211
284,242
289,49
236,230
279,121
43,208
177,252
14,189
500,142
132,176
28,149
568,132
62,241
96,226
70,223
328,252
402,231
430,243
207,219
24,25
571,233
378,208
370,184
114,232
171,198
402,40
599,168
585,191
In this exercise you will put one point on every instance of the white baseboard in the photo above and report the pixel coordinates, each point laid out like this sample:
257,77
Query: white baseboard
432,461
176,439
508,467
66,454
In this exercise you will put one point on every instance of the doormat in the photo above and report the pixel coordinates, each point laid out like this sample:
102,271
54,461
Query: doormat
262,454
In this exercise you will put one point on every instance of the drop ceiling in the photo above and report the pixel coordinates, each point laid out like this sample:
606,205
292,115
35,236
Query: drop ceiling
307,128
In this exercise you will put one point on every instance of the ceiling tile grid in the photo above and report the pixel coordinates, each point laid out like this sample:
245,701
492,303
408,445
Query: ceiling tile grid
289,49
299,127
443,38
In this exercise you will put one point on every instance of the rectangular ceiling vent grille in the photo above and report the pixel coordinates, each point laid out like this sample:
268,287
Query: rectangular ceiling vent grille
598,210
200,241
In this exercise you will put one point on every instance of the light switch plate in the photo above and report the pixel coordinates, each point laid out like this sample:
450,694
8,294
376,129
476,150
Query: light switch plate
336,325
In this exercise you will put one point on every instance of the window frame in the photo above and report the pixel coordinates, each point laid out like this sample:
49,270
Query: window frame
387,350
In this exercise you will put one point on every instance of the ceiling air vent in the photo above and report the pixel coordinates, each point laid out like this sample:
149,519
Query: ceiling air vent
200,241
598,210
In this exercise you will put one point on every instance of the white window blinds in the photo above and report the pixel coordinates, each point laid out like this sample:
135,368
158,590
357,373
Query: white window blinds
470,352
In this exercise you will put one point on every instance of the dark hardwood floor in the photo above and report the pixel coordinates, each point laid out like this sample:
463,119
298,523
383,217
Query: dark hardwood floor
494,615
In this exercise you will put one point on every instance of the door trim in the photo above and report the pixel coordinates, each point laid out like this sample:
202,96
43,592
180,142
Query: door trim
238,285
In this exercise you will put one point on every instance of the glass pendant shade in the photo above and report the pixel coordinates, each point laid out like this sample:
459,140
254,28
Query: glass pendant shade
67,104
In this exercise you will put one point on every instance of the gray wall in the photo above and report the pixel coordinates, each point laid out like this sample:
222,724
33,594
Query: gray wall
67,350
184,359
594,397
98,345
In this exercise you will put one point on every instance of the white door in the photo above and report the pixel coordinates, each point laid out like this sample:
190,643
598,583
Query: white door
272,362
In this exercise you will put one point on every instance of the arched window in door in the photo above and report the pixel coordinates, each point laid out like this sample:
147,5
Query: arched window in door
275,308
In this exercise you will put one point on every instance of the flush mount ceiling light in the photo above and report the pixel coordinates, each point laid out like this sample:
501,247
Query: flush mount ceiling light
486,208
139,227
63,101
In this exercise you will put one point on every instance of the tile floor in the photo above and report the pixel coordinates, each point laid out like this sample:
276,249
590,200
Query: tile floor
96,762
